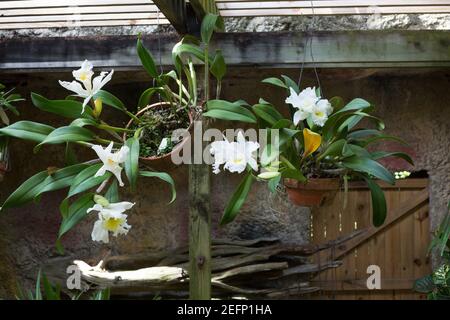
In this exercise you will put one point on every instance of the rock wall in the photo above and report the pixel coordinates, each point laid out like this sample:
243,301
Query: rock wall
260,24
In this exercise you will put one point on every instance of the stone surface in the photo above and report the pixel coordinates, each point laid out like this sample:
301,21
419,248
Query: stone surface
260,24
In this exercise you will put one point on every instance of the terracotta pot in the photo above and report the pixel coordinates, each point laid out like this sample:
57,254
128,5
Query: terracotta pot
313,193
163,161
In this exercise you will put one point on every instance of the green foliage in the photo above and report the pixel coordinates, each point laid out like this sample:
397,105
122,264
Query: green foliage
437,284
65,108
7,101
163,176
146,59
27,130
132,161
221,109
343,146
46,290
238,199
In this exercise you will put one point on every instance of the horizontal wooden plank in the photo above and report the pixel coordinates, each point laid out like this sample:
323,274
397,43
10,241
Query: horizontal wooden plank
245,4
72,24
365,49
360,284
82,17
399,184
65,3
77,10
333,11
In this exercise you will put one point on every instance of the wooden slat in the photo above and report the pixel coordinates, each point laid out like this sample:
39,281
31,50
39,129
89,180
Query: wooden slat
81,17
246,4
65,3
334,11
69,24
403,209
360,284
77,10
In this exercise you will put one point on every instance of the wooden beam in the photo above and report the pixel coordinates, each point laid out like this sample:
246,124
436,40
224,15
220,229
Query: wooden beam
202,7
175,12
339,49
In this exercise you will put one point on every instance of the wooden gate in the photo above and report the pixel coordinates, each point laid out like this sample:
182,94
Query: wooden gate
398,247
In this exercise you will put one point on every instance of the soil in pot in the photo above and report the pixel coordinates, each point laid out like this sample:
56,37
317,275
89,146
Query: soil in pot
159,121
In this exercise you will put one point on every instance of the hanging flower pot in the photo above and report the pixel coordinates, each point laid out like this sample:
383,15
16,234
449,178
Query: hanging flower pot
159,156
313,193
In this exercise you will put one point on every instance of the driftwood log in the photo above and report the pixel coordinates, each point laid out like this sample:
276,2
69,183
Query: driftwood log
260,268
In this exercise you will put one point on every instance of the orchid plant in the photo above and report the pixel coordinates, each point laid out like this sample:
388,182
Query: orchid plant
180,87
319,138
93,185
7,104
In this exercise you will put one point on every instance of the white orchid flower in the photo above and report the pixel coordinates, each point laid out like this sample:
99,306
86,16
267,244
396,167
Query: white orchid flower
84,86
110,219
304,102
321,110
234,155
111,160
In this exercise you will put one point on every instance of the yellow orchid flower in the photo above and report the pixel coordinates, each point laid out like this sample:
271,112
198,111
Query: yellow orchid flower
312,142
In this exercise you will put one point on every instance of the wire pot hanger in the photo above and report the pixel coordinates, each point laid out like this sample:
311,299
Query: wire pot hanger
309,40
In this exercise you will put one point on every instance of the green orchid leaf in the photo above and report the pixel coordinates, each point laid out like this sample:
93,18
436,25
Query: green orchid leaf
290,83
61,178
26,192
112,194
132,162
276,82
146,59
367,165
333,150
163,176
295,174
27,130
67,134
382,154
86,179
337,103
218,67
66,108
225,110
77,211
238,199
378,202
363,133
267,112
82,122
110,100
147,95
210,23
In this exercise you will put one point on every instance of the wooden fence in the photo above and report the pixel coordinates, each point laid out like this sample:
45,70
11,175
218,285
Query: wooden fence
399,247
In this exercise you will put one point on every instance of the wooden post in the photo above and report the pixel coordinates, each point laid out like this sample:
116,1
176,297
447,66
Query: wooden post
199,232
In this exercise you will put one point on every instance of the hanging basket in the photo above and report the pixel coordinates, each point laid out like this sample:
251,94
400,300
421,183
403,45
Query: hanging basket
313,193
163,161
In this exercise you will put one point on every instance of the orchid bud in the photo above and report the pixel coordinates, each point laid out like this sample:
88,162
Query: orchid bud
98,199
268,175
98,103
